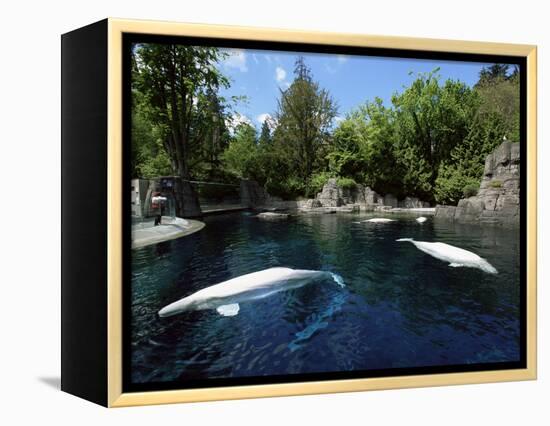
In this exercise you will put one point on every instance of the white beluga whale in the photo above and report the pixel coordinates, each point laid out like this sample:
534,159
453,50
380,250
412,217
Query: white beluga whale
456,256
421,219
226,296
379,220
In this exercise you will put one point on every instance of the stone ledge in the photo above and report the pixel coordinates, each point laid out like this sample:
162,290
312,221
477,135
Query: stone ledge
170,229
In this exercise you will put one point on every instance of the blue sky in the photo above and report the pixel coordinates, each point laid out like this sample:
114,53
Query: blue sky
351,80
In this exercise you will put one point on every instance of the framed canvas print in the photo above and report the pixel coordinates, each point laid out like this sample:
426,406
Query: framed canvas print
254,212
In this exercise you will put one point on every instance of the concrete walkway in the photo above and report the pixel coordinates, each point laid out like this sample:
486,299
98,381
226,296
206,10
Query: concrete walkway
145,234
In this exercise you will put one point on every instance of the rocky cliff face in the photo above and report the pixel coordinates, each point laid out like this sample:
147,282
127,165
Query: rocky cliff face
497,201
363,197
332,195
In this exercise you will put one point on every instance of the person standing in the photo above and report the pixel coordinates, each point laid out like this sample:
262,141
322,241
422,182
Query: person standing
158,202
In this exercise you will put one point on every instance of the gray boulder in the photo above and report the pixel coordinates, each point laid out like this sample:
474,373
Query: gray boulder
358,194
331,195
372,198
445,212
313,204
413,203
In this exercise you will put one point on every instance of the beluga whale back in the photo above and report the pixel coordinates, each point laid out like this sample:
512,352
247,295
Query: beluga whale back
456,256
379,220
226,296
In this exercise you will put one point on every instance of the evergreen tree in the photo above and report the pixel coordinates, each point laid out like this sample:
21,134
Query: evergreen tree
265,134
305,115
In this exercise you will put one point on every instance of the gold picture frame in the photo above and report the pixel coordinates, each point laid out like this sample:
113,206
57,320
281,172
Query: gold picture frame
116,28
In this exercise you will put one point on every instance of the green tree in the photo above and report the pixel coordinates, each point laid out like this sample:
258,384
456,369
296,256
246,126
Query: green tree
178,87
210,118
431,119
304,117
148,157
265,134
496,117
241,156
500,96
383,172
466,163
493,73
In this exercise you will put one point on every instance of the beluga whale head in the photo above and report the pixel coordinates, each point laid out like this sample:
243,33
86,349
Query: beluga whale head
189,303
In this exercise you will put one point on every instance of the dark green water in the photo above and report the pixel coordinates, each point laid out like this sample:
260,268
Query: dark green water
400,307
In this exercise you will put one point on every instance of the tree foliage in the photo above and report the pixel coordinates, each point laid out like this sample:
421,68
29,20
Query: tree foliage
430,141
240,157
304,116
176,89
265,134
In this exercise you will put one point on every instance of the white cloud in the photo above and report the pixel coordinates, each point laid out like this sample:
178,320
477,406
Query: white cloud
262,117
333,68
271,121
256,60
280,74
236,59
235,120
280,77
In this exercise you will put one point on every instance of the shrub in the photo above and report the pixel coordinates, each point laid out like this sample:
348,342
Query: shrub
346,183
316,183
470,190
452,184
287,189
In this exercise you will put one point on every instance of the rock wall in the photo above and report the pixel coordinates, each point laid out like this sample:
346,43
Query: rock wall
187,200
252,194
182,192
413,203
332,195
363,197
497,201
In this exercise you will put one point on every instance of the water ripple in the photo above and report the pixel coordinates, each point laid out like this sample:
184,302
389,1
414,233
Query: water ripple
400,307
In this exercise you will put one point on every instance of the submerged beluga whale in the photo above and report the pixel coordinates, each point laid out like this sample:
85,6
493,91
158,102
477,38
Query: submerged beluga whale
377,220
456,256
226,296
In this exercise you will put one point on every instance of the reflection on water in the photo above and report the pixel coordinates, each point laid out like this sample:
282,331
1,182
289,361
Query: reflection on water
399,308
